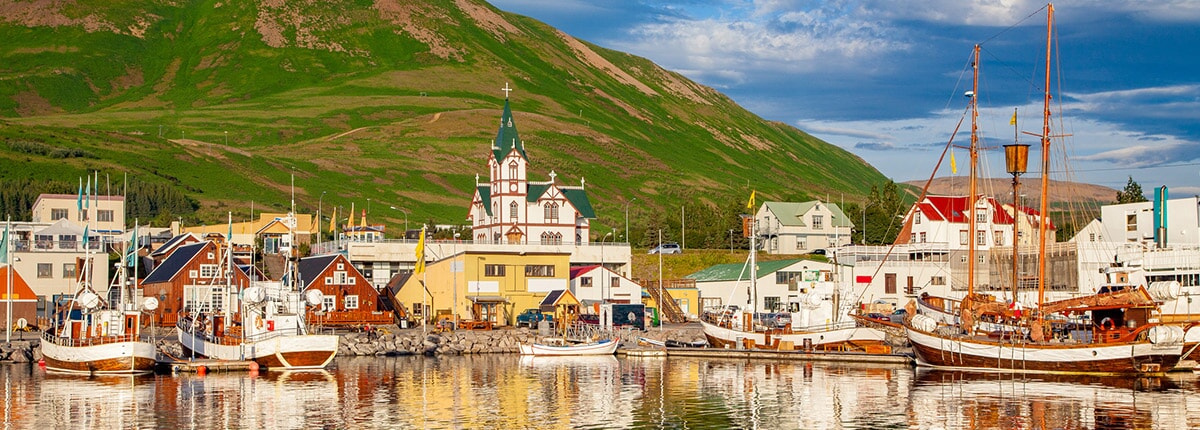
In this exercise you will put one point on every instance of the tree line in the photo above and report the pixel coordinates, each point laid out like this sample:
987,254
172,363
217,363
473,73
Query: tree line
147,201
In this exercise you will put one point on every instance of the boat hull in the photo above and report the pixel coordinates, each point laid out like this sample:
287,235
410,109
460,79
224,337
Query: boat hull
976,354
283,352
840,338
128,358
605,347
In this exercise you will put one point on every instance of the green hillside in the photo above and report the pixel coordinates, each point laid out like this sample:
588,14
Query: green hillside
391,101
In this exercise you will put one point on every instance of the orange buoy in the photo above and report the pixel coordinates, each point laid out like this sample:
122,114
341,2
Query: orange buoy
201,370
254,366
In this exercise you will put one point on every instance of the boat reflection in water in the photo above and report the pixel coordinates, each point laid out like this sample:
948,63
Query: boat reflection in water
506,391
949,399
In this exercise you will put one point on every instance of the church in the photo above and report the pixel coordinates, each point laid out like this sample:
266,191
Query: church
510,209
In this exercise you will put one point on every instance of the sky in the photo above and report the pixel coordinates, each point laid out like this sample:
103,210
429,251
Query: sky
886,79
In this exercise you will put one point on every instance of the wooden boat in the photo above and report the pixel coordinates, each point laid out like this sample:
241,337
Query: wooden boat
268,327
739,329
603,347
1125,338
90,336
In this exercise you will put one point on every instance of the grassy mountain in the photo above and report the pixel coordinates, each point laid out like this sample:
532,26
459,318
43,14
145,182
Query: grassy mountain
390,100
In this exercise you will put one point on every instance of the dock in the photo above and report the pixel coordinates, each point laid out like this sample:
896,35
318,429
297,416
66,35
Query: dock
763,354
642,352
208,366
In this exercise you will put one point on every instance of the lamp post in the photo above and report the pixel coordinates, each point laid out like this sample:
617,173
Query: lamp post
320,202
368,205
1016,157
627,239
864,222
405,218
731,240
454,271
602,271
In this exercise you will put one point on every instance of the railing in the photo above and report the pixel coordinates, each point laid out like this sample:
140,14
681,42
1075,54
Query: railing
50,336
351,318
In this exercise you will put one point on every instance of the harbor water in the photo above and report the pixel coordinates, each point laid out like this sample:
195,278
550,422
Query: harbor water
508,391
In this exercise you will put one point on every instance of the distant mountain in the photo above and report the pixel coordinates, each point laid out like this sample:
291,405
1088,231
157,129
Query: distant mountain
389,103
1060,191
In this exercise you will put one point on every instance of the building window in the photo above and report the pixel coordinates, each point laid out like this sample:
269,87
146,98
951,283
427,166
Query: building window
962,237
512,211
43,241
912,237
66,241
614,282
352,302
1131,222
104,216
539,271
585,282
512,170
801,244
549,238
45,270
917,217
551,211
980,237
937,280
782,277
818,222
68,270
998,237
328,303
771,303
209,270
493,270
57,214
981,217
922,237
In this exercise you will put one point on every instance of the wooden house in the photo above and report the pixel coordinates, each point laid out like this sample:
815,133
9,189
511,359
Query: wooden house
191,279
24,301
349,300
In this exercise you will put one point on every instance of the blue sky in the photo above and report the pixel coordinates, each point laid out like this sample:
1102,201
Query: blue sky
884,78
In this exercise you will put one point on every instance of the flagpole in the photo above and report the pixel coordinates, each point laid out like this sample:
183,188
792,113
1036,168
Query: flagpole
8,285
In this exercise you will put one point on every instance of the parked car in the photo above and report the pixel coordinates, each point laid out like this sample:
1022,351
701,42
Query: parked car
667,248
898,316
879,317
531,317
775,320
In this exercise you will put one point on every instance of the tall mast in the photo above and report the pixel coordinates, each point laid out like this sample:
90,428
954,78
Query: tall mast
970,210
1045,162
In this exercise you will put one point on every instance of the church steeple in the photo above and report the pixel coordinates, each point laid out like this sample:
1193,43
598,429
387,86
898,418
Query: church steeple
507,138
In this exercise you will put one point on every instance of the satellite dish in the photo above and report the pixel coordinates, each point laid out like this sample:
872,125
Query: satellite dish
254,295
21,323
150,304
88,300
314,297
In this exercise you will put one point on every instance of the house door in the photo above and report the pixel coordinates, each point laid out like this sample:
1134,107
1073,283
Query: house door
889,283
909,289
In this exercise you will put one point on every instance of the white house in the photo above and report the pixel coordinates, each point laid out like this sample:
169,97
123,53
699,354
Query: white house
800,228
511,209
806,288
596,284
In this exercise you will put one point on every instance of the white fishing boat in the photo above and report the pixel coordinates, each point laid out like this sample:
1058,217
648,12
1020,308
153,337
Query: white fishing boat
603,347
267,328
92,336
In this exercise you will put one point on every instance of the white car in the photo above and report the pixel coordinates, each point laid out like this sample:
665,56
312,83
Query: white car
667,248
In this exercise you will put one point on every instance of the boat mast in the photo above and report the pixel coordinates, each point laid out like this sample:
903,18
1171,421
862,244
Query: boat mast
1042,220
971,187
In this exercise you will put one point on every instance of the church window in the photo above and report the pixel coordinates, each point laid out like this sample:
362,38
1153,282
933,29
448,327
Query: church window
512,170
551,211
512,211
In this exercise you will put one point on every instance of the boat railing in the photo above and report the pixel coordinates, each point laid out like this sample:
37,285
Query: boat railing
825,327
233,338
50,336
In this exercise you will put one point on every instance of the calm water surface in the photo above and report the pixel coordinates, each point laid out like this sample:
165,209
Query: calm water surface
507,391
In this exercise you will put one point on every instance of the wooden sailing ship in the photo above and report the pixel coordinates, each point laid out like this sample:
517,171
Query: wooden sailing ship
1120,337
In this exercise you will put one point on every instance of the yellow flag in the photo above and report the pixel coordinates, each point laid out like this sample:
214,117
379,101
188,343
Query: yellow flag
953,164
1013,121
364,218
350,219
333,220
750,204
420,266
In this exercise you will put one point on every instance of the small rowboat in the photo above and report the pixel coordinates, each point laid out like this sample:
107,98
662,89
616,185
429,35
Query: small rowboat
603,347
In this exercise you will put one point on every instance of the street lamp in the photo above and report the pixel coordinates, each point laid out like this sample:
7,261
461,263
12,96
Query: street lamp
320,201
731,240
602,271
864,222
627,240
454,271
368,205
405,218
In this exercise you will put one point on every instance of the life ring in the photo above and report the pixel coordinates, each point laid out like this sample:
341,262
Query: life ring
257,321
1107,323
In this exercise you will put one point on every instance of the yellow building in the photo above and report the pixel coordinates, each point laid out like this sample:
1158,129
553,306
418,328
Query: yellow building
484,285
272,227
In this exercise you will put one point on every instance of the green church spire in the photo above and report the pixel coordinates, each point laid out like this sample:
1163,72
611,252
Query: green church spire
506,138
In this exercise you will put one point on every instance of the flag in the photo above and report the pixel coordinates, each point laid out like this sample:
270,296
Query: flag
85,237
420,266
364,218
333,220
750,204
953,164
131,256
88,190
1013,121
350,219
4,246
79,199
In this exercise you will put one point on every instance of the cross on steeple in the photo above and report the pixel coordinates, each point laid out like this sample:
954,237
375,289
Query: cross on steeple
506,90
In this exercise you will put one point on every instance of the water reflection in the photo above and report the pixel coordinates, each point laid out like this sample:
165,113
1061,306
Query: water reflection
506,391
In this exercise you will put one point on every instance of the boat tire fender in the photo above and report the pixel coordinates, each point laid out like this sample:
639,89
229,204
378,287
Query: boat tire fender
1107,323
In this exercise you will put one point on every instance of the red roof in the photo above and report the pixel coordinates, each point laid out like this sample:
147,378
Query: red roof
578,271
953,209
